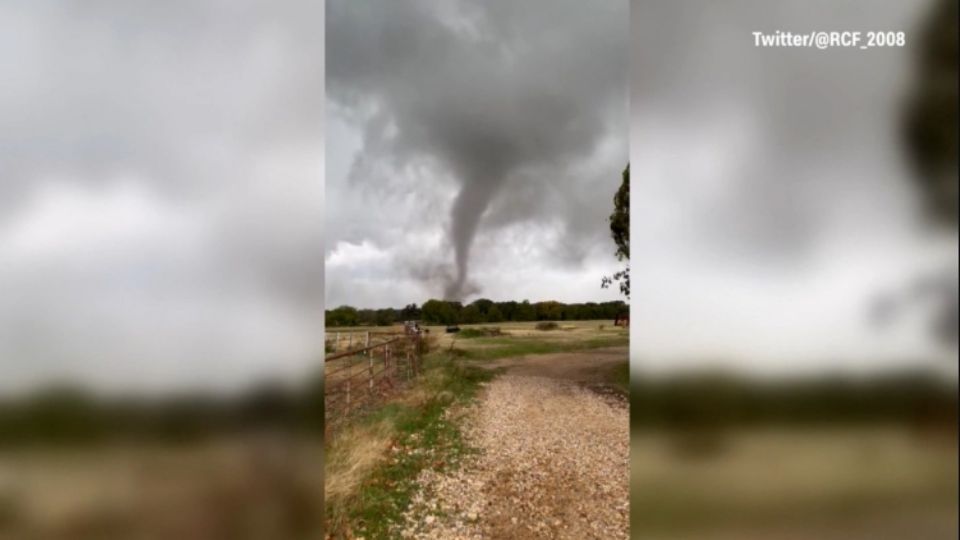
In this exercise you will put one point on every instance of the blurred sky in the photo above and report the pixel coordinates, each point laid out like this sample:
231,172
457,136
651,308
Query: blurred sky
160,192
519,106
771,197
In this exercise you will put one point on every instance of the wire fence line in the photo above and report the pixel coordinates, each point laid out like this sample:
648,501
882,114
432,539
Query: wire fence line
349,340
363,375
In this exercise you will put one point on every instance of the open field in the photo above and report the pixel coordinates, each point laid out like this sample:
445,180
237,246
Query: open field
478,389
229,488
851,483
517,339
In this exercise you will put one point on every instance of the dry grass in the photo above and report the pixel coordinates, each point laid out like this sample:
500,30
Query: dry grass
424,390
371,465
352,455
573,331
359,448
355,451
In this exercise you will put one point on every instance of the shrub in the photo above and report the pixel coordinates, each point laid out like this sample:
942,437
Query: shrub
480,332
547,325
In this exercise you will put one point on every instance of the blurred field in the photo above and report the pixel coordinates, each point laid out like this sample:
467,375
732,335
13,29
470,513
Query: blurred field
228,488
524,337
856,482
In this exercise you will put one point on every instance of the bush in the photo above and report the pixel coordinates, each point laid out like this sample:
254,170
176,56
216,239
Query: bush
547,325
480,332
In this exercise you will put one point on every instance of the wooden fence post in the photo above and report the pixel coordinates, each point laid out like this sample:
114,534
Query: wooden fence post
370,360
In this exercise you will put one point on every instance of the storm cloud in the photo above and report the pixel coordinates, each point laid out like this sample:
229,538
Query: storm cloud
161,196
774,201
504,110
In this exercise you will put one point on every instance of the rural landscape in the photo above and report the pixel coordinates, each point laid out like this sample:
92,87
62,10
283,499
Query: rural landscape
721,456
518,430
485,420
798,374
477,271
161,270
75,465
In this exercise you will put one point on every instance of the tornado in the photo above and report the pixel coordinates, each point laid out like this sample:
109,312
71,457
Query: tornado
482,94
468,208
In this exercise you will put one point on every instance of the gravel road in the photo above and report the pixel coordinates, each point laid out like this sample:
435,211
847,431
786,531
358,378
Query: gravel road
553,463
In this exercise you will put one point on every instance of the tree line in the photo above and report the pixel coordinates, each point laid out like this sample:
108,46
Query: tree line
477,312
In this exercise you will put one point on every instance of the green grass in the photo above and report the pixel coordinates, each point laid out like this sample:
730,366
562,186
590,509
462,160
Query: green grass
483,331
425,438
495,348
620,378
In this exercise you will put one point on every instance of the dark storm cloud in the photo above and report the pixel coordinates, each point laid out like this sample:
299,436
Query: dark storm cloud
812,122
775,202
495,93
161,192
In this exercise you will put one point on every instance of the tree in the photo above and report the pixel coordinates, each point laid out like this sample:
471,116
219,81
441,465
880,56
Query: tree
447,312
930,124
549,311
930,132
439,312
342,316
385,317
483,305
525,312
508,310
470,315
620,231
410,312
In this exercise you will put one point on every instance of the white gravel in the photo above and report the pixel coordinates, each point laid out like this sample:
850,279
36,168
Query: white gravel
553,463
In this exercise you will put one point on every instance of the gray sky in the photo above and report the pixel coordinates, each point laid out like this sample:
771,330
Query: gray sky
771,200
474,148
161,196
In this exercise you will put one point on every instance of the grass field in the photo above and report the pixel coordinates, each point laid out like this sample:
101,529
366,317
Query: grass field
856,482
516,339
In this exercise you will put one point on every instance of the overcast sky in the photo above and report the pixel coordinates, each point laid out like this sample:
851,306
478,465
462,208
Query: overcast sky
771,201
474,148
161,194
162,208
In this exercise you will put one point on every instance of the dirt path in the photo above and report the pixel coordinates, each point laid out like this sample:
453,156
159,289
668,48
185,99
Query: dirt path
553,461
587,367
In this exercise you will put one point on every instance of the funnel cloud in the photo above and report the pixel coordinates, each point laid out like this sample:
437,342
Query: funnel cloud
496,104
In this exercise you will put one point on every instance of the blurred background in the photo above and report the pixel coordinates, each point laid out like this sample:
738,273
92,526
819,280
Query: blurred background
161,268
794,349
